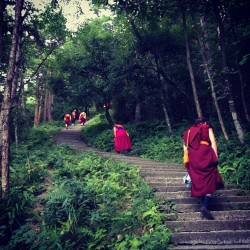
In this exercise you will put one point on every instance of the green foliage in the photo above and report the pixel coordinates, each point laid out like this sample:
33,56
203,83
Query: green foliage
92,135
14,211
42,135
151,140
235,161
93,203
100,203
27,173
52,24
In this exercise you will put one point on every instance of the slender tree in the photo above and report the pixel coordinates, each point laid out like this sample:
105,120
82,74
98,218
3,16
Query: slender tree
189,61
7,101
207,64
225,73
2,9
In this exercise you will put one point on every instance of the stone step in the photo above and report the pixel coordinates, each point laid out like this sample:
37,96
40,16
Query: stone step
218,215
184,208
214,200
148,162
164,180
165,185
169,188
211,238
168,175
211,247
155,170
70,137
152,165
184,193
162,187
157,174
160,167
208,225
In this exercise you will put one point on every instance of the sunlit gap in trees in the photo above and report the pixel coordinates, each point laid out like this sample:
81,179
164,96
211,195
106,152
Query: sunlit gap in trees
76,12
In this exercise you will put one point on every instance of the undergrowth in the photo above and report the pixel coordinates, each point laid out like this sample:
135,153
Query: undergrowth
94,203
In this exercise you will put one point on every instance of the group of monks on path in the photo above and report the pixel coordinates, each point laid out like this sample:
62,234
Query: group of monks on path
200,142
122,142
70,119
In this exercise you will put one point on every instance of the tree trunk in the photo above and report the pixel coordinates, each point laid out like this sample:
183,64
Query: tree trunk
16,125
6,105
206,59
22,96
242,81
2,9
50,106
94,107
166,113
45,107
17,71
138,111
108,116
227,87
41,102
37,96
190,67
14,94
243,97
163,91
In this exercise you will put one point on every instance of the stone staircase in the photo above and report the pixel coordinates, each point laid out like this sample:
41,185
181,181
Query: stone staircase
230,207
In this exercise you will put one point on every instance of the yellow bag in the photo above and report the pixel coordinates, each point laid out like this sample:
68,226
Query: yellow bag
185,156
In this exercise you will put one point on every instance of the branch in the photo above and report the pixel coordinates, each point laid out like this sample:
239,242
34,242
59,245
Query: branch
39,66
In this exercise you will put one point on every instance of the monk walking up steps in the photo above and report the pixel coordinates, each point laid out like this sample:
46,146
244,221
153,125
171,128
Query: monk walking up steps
203,161
82,118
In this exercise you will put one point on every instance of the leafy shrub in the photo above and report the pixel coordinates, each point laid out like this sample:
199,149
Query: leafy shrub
27,173
235,161
99,134
14,211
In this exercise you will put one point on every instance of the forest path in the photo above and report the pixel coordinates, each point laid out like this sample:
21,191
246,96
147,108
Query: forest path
230,207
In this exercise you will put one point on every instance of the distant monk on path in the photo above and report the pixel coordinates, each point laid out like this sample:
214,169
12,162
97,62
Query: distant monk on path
82,118
122,143
67,120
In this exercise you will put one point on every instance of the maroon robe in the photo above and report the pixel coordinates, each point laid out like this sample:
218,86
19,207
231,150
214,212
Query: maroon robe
122,141
67,119
203,162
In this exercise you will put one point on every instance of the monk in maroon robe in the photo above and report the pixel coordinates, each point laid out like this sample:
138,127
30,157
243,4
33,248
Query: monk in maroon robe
73,117
122,141
203,162
82,118
67,120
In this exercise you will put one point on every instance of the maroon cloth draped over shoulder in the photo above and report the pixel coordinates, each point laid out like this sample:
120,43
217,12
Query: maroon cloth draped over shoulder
203,162
122,141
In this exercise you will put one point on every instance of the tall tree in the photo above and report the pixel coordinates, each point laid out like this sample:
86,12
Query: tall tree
207,64
2,9
7,101
189,61
225,73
